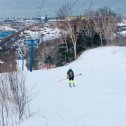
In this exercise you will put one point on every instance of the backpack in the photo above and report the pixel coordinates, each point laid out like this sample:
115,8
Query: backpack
71,74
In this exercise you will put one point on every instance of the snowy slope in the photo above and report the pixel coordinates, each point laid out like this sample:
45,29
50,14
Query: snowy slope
99,98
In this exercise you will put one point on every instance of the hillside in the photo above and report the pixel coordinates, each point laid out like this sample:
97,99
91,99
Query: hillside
99,98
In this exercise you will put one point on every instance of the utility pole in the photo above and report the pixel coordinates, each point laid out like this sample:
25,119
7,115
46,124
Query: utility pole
22,62
31,55
31,43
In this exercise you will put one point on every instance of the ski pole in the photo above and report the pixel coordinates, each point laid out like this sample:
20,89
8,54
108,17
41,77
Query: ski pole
61,79
66,78
78,74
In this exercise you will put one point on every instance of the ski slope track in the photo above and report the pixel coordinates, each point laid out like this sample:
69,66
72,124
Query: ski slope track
99,98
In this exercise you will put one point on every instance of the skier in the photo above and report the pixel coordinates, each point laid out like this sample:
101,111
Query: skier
70,76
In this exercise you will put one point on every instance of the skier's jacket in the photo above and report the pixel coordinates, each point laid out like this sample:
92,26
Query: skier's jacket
70,74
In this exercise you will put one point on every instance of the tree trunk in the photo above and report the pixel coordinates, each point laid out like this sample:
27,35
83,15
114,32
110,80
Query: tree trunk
75,51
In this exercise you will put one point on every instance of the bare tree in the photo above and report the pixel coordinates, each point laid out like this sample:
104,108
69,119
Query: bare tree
104,20
14,102
69,25
63,12
9,59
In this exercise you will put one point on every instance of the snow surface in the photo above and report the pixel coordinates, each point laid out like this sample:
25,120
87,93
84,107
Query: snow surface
121,24
21,65
1,62
7,28
123,33
48,33
99,98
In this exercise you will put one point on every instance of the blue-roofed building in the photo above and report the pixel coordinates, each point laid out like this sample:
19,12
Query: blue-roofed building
5,34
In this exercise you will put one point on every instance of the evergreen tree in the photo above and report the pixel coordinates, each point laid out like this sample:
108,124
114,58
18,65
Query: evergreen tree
65,53
83,42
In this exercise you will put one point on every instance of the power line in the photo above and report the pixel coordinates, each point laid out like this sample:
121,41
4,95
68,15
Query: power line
42,4
40,8
74,4
88,8
90,5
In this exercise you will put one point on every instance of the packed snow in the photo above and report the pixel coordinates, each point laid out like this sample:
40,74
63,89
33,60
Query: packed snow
99,98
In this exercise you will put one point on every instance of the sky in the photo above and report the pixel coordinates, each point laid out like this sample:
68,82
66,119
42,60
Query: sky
31,8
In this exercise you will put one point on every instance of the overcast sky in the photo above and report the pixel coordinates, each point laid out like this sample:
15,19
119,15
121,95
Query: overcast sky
31,8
